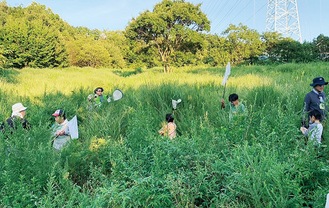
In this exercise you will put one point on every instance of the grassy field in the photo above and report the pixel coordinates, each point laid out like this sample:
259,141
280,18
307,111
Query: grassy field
260,160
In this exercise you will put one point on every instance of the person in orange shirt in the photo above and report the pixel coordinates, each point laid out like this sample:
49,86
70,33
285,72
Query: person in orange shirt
169,127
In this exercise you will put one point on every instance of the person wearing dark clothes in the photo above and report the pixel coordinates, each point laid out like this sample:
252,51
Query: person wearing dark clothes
315,100
17,116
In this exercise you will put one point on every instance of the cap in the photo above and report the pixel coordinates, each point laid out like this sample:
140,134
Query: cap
58,112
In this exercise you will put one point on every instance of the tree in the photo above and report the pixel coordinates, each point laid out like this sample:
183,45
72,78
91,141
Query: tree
3,12
270,39
322,47
2,57
30,37
215,51
87,52
140,56
244,43
288,50
172,26
14,39
116,44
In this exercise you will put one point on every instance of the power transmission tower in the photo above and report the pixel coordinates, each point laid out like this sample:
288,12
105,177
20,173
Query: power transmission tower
282,17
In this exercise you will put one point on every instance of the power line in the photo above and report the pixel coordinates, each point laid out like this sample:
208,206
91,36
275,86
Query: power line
215,7
257,12
223,12
227,14
240,11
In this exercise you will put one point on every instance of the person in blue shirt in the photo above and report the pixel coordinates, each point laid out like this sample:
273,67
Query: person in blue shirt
315,100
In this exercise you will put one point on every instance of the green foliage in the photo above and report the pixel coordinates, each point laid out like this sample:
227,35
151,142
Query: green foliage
8,76
171,35
128,73
288,50
119,160
243,43
31,38
88,48
172,26
139,55
84,52
117,46
215,53
322,47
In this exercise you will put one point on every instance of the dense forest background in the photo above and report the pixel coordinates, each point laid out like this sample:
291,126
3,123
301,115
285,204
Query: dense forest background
174,34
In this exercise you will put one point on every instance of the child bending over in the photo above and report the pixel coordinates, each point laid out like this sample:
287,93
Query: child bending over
169,127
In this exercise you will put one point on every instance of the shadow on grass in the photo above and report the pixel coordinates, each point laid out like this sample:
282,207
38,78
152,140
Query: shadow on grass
128,73
211,70
8,75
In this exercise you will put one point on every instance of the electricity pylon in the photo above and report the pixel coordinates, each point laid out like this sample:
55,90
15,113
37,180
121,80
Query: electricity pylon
282,17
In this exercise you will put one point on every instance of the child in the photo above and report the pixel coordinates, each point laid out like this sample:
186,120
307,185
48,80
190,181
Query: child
314,131
60,130
169,128
235,106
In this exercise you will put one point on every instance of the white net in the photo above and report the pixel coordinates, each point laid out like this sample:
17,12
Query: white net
117,95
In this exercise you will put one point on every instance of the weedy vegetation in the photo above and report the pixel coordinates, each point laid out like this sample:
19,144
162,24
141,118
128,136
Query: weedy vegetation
260,160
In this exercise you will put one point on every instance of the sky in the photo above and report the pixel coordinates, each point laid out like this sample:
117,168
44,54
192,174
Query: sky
116,14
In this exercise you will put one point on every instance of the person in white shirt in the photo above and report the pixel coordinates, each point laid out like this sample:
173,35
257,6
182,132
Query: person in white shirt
314,131
60,130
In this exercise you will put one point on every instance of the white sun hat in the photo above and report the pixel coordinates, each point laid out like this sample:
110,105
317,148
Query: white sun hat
18,107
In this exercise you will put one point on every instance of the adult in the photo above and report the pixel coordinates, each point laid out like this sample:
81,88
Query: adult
98,98
18,116
60,130
315,100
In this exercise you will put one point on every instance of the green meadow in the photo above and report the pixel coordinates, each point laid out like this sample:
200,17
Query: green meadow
119,160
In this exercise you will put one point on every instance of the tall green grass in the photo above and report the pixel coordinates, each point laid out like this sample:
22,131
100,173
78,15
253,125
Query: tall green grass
260,160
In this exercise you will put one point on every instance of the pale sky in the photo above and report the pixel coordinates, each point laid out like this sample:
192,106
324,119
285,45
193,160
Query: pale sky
116,14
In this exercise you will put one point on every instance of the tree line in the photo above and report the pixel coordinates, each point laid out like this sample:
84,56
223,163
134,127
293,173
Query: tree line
174,34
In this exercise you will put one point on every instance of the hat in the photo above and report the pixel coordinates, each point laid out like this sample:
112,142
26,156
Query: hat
18,107
58,112
98,88
318,81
